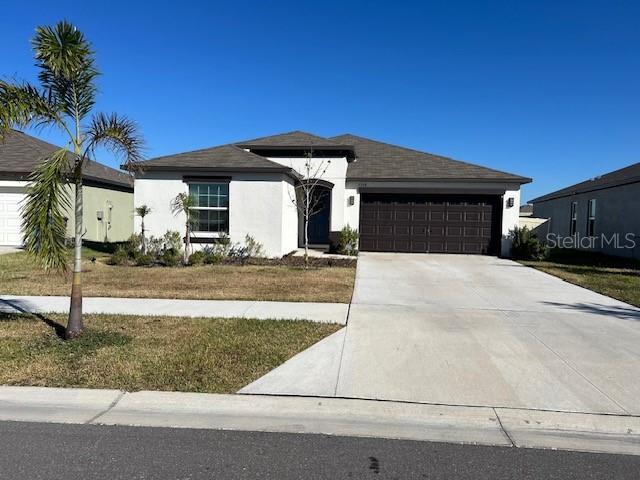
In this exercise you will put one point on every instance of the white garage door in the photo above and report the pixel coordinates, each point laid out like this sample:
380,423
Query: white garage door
10,219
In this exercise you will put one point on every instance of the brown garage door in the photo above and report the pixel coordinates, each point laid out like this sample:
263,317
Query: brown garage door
429,223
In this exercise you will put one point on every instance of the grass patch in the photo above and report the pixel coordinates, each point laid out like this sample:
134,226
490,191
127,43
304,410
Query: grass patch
150,353
615,277
19,275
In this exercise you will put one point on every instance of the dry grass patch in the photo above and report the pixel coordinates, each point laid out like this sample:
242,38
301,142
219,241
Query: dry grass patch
150,353
20,276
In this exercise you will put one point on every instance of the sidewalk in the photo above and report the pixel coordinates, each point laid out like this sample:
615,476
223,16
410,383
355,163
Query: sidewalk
316,312
330,416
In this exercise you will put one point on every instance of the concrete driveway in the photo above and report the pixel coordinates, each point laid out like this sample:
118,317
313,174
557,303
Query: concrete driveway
473,330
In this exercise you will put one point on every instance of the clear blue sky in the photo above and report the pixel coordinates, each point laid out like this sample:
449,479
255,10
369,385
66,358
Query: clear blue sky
546,89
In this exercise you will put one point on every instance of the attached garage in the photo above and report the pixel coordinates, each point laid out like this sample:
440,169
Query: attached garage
10,219
430,223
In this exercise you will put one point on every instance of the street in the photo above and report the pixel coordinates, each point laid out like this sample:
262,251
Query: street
36,451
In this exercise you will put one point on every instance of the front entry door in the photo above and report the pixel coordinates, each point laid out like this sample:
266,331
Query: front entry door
319,222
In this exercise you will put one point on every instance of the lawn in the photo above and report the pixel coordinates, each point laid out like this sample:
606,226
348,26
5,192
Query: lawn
153,353
20,276
611,276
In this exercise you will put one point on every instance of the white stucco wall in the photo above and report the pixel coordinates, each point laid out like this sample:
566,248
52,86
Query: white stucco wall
259,206
336,173
510,218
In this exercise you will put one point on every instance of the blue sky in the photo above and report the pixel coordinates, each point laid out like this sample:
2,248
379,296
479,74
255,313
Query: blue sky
546,89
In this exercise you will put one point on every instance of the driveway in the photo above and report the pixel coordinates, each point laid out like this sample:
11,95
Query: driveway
474,330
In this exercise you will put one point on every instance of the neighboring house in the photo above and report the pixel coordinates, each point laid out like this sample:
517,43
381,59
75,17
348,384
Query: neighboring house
537,225
601,214
399,199
107,193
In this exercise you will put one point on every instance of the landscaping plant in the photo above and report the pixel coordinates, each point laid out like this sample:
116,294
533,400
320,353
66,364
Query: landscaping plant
348,241
525,244
183,203
142,211
63,100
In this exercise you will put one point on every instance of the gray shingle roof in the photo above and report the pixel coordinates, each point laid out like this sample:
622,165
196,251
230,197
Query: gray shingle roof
293,139
378,160
224,157
630,174
21,153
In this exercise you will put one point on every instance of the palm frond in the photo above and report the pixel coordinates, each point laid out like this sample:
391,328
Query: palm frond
143,211
23,105
67,67
43,220
117,134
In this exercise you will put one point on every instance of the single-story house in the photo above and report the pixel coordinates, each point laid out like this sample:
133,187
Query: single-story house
400,200
107,193
601,214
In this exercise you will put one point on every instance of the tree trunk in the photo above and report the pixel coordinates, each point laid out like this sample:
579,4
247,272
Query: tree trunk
306,231
75,325
187,244
144,243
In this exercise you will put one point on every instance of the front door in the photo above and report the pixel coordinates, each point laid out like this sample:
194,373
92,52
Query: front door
319,221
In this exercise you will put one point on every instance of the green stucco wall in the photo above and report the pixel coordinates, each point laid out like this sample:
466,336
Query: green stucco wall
117,214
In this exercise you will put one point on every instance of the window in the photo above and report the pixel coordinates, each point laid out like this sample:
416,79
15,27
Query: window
573,219
211,207
591,218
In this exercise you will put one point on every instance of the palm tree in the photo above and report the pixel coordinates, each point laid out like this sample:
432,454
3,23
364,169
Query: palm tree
64,100
184,203
142,211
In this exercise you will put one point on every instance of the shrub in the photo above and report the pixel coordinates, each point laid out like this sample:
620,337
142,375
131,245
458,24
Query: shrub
144,260
171,257
525,245
238,253
254,248
196,258
172,241
133,245
120,256
348,241
212,259
154,246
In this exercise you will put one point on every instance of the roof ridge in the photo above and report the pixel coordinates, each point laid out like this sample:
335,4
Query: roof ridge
461,162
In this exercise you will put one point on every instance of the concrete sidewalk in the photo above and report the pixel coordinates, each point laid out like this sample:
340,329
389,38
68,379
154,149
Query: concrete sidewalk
316,312
331,416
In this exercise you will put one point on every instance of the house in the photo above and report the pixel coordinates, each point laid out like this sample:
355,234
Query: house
537,225
107,193
399,199
601,214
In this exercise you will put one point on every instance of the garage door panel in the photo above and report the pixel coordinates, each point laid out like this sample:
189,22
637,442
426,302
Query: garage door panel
429,223
10,218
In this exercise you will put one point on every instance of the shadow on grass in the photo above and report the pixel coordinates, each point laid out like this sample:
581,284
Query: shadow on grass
9,308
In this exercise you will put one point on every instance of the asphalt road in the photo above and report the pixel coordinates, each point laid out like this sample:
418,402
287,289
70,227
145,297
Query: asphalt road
81,452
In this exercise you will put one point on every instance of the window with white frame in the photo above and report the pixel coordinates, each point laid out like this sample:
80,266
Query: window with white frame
591,218
573,219
211,207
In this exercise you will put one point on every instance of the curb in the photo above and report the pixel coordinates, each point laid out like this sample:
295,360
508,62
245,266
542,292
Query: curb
329,416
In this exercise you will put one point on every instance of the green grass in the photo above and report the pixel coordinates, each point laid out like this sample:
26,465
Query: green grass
612,276
150,353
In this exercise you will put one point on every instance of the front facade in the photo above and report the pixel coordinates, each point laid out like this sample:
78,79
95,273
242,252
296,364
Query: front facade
601,214
399,199
107,193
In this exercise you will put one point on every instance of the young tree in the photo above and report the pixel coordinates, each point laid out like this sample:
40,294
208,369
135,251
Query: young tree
142,211
308,194
64,100
183,204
